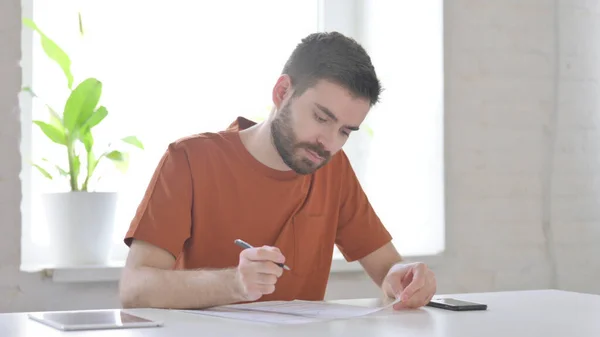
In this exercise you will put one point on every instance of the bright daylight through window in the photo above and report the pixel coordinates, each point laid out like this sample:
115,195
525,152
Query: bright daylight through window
182,67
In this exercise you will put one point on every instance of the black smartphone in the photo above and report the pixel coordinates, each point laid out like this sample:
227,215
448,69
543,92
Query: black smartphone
455,305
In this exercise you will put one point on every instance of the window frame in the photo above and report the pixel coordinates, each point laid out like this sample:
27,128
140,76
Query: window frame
346,20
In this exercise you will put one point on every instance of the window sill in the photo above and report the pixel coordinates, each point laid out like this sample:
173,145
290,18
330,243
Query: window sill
81,274
112,271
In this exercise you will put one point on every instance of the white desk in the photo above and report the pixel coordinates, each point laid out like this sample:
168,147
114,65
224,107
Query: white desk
542,313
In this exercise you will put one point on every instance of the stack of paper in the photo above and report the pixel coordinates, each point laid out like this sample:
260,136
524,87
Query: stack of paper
289,312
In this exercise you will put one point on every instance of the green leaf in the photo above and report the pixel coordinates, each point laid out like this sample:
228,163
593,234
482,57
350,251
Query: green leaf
29,91
52,132
91,166
120,159
43,171
53,51
116,155
76,167
92,163
88,142
60,170
80,23
54,116
133,140
55,120
87,139
122,166
96,117
81,104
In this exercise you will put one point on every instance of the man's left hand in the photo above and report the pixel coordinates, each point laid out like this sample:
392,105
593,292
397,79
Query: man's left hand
413,283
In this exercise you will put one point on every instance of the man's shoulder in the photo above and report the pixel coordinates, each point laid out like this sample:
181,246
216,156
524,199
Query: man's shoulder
204,142
226,140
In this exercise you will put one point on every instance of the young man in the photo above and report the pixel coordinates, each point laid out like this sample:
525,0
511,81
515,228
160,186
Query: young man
283,186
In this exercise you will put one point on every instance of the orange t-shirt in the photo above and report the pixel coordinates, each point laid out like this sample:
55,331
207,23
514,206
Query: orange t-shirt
208,190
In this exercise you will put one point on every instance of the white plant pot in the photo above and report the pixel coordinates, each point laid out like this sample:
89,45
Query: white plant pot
80,226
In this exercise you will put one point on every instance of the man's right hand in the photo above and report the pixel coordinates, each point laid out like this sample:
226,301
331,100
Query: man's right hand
257,272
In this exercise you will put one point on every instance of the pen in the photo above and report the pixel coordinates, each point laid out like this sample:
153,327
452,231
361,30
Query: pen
245,245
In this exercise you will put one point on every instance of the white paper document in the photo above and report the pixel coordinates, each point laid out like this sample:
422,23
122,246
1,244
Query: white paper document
289,312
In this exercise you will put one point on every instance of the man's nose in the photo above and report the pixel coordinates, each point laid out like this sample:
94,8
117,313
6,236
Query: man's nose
326,143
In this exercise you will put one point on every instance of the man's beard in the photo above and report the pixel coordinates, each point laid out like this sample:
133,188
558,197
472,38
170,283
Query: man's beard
285,142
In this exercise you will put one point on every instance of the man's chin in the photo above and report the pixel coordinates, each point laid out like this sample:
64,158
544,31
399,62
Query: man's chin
306,166
304,170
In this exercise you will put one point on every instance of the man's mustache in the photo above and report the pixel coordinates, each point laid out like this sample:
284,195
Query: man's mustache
316,148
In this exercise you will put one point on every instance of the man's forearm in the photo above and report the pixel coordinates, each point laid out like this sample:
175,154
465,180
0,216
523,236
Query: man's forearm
186,289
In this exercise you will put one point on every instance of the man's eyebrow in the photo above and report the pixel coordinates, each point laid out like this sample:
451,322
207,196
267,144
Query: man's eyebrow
334,117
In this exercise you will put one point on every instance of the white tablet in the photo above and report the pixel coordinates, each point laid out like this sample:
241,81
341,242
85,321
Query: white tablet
92,320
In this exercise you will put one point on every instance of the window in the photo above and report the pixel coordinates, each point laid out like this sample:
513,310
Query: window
185,67
401,165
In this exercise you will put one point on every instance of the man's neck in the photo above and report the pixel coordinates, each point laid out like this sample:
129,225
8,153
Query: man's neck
257,140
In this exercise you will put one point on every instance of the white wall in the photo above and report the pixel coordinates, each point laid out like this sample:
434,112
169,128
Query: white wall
522,157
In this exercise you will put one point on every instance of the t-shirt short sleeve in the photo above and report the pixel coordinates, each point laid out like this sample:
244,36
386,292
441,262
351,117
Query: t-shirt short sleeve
360,231
163,217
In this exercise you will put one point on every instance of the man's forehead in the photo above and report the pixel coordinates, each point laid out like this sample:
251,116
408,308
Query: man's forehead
341,102
324,88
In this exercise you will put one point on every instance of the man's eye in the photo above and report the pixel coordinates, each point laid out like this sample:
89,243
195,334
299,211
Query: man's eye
320,119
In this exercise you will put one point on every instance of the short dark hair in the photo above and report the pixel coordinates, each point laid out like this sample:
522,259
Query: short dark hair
335,57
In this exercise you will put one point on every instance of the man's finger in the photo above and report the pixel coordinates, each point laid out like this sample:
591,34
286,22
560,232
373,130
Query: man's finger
266,288
267,267
418,299
264,254
396,288
400,305
266,279
418,281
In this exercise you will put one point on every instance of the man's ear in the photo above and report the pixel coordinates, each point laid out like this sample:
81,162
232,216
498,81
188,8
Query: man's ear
282,90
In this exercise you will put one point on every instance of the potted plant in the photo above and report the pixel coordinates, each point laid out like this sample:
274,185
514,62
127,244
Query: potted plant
81,220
